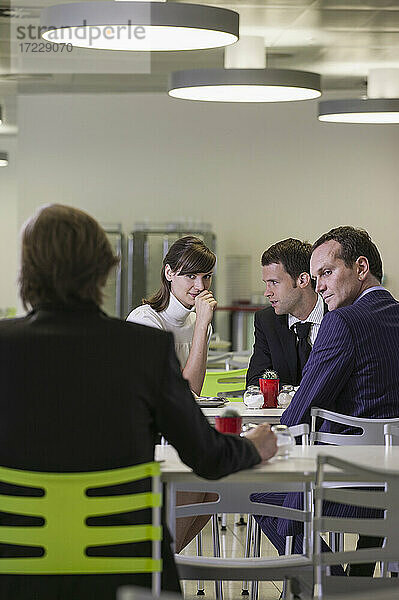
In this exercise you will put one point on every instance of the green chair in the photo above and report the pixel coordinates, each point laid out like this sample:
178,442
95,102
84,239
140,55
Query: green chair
218,383
65,536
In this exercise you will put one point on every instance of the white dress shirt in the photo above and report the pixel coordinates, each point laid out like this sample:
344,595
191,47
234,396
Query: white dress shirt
315,318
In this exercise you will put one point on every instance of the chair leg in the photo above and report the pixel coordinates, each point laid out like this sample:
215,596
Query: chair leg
200,584
241,521
216,550
223,526
245,591
286,592
341,545
289,540
257,540
334,541
215,536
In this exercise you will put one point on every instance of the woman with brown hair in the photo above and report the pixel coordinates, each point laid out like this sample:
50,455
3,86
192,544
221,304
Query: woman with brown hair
184,305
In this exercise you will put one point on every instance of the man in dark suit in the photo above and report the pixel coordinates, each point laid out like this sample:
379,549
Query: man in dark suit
82,391
286,330
354,365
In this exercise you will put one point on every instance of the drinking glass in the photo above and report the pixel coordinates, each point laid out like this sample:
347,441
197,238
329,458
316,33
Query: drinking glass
285,441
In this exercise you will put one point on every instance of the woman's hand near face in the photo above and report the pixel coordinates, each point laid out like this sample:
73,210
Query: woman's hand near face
195,367
205,305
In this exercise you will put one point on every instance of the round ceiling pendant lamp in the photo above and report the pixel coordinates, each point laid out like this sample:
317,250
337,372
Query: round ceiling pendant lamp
245,79
3,159
368,110
140,26
381,106
244,85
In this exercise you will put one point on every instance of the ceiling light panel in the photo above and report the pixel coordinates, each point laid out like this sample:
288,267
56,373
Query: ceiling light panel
370,110
244,85
140,26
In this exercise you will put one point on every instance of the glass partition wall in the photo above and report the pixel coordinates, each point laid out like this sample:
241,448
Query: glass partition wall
112,303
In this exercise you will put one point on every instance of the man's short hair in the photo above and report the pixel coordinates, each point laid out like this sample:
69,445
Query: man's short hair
293,254
66,257
354,243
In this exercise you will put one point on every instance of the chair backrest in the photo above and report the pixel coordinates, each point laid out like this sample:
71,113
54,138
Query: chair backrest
302,431
217,383
372,429
385,524
235,496
64,507
218,357
231,360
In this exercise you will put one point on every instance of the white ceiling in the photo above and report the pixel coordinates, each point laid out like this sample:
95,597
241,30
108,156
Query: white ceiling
340,39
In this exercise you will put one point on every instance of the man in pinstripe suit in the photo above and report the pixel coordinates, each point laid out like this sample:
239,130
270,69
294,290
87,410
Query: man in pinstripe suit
354,364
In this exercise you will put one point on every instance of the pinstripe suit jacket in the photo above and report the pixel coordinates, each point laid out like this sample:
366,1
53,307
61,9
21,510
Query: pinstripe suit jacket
353,369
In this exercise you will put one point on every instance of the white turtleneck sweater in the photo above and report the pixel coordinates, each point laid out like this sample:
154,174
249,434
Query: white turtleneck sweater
175,318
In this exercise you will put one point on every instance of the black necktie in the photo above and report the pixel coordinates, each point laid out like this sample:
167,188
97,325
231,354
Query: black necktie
303,346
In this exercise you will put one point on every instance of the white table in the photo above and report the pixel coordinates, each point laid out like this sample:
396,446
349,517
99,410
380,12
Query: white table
301,466
249,415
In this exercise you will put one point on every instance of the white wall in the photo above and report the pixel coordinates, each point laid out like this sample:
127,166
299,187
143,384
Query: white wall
257,173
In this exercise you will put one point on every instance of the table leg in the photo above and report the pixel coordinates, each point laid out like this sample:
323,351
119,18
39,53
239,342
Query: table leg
308,526
170,506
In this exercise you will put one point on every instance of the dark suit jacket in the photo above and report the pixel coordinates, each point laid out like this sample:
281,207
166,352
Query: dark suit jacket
353,369
82,391
274,348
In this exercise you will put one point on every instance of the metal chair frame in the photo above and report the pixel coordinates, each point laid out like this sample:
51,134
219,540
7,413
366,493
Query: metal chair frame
372,434
388,527
372,429
391,431
234,498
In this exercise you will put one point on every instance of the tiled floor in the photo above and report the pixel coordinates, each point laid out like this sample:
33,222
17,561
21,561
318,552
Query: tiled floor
232,545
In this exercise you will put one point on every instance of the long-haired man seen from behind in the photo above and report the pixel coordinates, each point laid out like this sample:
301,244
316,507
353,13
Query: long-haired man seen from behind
84,392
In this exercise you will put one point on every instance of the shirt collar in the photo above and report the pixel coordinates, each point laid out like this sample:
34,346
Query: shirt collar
370,289
315,317
176,313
